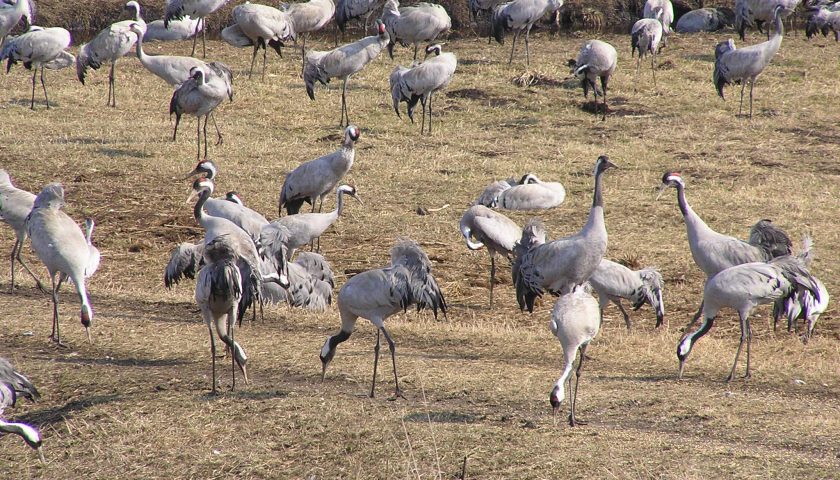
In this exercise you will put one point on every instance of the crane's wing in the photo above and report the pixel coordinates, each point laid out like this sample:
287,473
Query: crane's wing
317,266
184,261
770,238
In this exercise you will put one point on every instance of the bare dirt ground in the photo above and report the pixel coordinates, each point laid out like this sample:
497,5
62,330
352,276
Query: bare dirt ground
136,403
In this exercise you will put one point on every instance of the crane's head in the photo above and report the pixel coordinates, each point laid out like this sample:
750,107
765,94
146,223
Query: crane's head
777,12
87,319
135,27
32,438
197,74
233,197
603,164
435,49
201,186
206,167
51,196
555,397
133,7
670,179
349,191
351,134
328,350
528,178
652,286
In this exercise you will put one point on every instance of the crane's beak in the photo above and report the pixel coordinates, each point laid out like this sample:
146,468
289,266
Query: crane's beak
324,370
41,455
680,374
193,193
90,339
357,198
661,190
192,174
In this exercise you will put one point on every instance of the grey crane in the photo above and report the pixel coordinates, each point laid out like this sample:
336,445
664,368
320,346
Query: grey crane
229,207
172,69
667,15
704,20
342,63
823,20
307,227
645,37
613,281
110,45
14,385
62,247
182,29
491,230
259,26
559,265
307,17
198,9
11,13
530,193
596,60
483,7
422,22
420,82
200,95
804,305
378,294
745,64
575,321
38,48
713,251
519,16
754,13
311,279
313,180
218,292
742,288
15,205
346,10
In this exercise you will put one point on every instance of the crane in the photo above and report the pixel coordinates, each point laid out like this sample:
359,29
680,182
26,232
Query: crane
519,16
15,205
613,281
492,230
199,96
14,385
422,22
198,9
11,13
420,82
596,60
309,16
259,25
645,37
38,48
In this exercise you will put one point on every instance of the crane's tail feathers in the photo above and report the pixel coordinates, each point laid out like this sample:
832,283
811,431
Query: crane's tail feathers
806,254
772,240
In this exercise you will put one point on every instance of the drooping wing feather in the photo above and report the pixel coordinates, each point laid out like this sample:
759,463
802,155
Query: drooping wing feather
184,261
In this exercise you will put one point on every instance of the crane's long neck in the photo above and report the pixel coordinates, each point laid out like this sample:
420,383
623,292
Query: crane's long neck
693,223
339,204
596,213
139,46
775,39
198,210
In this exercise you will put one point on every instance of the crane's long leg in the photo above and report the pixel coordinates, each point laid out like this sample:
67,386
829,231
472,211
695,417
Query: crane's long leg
393,347
653,68
527,53
415,52
230,322
513,47
177,121
344,113
303,54
253,60
112,85
18,244
198,25
203,38
206,118
741,105
604,87
752,84
749,342
422,114
198,138
375,363
44,86
32,102
212,354
26,267
430,112
492,277
627,322
573,421
744,327
55,336
219,139
265,54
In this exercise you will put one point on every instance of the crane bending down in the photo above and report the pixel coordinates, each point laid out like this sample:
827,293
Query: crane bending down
596,60
15,205
110,44
217,293
342,63
519,16
38,48
613,281
198,9
645,37
259,26
575,321
378,294
745,64
200,95
492,230
420,82
422,22
742,288
530,193
560,265
12,386
60,244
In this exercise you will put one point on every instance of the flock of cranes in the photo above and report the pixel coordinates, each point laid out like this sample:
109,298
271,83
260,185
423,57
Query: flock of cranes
244,260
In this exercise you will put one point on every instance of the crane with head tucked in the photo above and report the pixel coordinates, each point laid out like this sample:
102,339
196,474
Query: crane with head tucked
307,17
491,230
420,82
422,22
530,193
206,89
182,29
645,37
14,385
596,60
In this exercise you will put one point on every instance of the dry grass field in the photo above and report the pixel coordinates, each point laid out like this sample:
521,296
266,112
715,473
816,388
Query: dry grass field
137,403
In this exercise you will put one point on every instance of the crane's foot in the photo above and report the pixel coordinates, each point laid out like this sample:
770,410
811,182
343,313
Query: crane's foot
58,342
574,422
397,394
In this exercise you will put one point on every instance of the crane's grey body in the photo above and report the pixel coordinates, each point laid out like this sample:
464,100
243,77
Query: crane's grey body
421,22
378,294
420,82
575,321
306,227
218,292
307,17
596,60
110,45
342,63
753,13
11,15
491,230
313,180
742,288
667,15
703,20
311,282
530,193
38,48
12,386
198,9
613,281
172,69
60,244
15,205
560,265
346,10
207,88
745,64
822,20
182,29
519,16
259,26
645,37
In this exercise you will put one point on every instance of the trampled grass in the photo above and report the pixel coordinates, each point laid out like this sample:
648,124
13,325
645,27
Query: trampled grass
136,404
